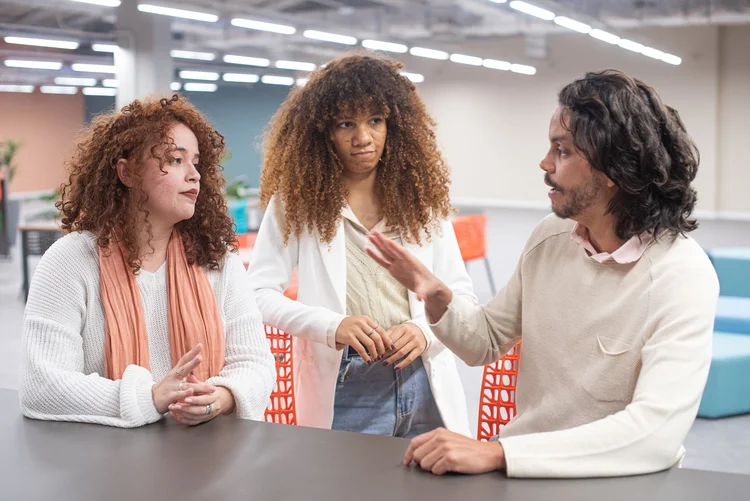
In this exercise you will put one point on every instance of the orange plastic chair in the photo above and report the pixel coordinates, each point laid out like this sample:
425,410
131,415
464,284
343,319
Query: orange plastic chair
281,408
246,239
472,242
497,400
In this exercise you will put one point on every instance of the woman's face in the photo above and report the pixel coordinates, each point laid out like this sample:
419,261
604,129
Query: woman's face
359,141
172,189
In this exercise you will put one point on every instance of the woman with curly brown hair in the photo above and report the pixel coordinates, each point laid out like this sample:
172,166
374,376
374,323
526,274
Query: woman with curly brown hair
142,308
351,153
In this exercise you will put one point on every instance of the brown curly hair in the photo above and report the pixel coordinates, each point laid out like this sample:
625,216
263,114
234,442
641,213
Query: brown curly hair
301,167
96,200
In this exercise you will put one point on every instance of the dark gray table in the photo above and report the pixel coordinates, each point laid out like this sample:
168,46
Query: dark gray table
229,459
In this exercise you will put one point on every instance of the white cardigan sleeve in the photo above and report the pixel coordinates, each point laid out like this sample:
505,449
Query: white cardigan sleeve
270,272
53,385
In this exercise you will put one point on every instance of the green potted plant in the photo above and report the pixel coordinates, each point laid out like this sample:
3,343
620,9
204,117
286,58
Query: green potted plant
10,208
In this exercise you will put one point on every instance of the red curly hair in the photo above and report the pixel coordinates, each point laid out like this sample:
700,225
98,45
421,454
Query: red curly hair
301,167
96,200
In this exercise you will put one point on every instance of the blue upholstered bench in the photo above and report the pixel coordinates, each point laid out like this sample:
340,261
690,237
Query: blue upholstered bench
733,315
732,265
727,391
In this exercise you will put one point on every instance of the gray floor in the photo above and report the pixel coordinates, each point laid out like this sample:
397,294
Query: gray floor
719,445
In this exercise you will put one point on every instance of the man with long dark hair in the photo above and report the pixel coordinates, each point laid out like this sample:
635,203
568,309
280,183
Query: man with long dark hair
613,301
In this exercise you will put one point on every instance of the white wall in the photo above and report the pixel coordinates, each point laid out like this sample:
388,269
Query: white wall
492,125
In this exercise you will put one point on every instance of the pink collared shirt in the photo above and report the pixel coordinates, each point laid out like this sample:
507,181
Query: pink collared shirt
629,252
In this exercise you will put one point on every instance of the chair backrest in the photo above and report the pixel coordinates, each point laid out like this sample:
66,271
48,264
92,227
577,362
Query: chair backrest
497,399
281,408
470,234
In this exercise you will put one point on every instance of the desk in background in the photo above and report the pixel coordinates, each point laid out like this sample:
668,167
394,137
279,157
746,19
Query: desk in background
36,238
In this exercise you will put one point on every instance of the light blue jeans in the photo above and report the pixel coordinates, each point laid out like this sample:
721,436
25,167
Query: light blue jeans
378,400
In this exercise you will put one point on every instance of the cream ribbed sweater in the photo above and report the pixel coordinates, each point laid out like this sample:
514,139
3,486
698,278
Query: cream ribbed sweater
63,342
370,289
615,356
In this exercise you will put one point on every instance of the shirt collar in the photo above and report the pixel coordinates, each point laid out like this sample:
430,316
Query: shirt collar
629,252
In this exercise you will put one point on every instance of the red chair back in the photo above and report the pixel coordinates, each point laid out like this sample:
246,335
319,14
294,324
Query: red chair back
497,400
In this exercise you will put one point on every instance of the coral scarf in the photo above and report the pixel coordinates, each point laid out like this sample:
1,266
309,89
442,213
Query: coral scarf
193,315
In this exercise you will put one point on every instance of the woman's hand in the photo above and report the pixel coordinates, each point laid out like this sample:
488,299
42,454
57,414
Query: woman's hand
366,337
207,402
409,341
173,388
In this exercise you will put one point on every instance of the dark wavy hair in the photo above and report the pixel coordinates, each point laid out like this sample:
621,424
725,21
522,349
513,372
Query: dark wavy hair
624,130
96,200
301,167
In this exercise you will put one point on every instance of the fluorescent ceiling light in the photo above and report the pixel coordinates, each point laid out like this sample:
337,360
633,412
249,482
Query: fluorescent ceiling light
496,64
263,26
630,45
414,77
43,42
653,53
103,3
671,59
276,80
110,82
99,91
34,65
384,46
185,14
295,65
200,87
604,36
93,68
572,24
199,75
25,89
175,86
429,53
104,47
301,82
191,54
523,69
58,89
329,37
80,82
240,77
464,59
532,10
246,60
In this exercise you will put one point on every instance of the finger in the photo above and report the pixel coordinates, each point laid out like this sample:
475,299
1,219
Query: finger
194,410
189,356
390,249
396,334
387,339
378,258
415,444
367,342
180,395
380,348
442,466
430,453
380,243
404,346
360,350
188,367
203,400
200,388
187,420
412,356
192,379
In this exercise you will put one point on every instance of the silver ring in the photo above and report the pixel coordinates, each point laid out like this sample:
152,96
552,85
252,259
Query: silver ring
371,332
181,385
209,410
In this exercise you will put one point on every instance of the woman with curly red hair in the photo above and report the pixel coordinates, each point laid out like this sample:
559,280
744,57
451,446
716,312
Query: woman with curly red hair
142,308
351,153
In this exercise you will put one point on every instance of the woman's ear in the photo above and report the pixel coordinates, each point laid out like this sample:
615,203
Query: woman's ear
123,174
